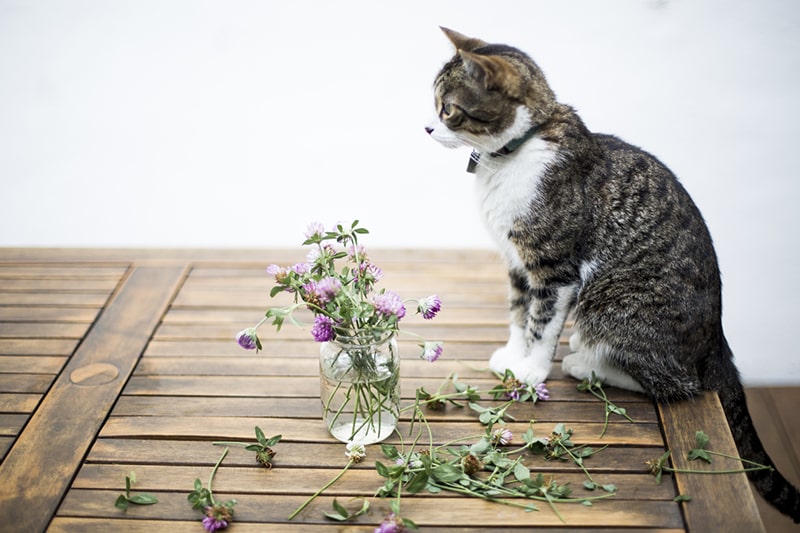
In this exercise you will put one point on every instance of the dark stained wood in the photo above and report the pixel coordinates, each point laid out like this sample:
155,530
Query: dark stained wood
183,383
681,422
37,469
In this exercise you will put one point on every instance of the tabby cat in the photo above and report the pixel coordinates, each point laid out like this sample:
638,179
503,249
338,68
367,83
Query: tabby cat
592,226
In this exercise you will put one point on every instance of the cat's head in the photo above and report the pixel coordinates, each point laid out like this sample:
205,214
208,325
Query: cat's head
487,95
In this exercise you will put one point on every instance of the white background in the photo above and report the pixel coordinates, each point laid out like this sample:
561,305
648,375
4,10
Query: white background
183,123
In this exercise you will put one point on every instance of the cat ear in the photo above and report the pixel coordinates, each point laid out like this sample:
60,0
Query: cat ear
495,72
462,42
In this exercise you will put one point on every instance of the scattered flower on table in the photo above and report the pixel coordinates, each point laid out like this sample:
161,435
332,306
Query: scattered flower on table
217,517
541,392
391,524
431,351
502,436
355,451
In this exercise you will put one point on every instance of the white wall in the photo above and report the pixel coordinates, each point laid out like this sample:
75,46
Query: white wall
189,123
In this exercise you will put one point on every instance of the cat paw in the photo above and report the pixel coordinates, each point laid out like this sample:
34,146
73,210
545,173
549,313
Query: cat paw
527,369
577,366
505,358
575,341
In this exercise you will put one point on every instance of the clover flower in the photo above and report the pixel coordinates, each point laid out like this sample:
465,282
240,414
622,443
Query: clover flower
431,351
217,517
391,524
429,306
278,272
327,289
370,273
248,339
301,268
471,464
355,451
541,392
514,388
323,329
502,436
389,304
315,229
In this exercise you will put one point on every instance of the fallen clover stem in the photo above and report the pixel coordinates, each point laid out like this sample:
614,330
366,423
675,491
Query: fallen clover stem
213,473
321,490
459,489
739,471
758,466
579,463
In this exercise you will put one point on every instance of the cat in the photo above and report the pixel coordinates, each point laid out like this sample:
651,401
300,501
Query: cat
593,226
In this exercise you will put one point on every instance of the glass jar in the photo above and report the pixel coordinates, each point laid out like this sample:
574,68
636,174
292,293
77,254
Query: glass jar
360,387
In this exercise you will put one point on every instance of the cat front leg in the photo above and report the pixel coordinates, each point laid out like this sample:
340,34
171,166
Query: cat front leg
510,355
531,348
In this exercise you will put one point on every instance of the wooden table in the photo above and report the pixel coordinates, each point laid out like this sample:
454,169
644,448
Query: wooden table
113,361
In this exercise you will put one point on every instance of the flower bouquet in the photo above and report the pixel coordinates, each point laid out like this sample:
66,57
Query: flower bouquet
357,325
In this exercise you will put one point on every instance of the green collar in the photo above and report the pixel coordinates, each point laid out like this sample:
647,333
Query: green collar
509,148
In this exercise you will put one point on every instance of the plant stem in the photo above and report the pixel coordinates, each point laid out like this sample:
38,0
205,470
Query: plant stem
320,491
213,473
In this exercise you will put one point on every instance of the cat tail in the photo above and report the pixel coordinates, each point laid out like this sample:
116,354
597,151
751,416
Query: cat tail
771,484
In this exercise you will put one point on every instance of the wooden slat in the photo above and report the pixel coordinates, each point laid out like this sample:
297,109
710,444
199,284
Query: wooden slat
238,428
726,510
136,452
461,512
37,470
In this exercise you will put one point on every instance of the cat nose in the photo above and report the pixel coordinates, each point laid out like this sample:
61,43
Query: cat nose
429,129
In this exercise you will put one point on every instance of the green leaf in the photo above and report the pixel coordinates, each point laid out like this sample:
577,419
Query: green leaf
699,454
446,473
682,498
702,439
610,487
260,437
417,483
522,473
143,499
390,451
589,485
340,509
121,503
381,469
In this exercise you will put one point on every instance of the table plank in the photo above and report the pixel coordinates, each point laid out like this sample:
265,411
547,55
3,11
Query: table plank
37,469
681,421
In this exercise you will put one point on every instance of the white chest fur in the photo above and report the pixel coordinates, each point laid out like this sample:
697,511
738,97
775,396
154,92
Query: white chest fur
507,187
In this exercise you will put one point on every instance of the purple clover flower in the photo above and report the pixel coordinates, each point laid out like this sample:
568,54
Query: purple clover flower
371,273
431,351
502,436
273,269
391,524
315,229
217,517
328,288
323,329
212,524
541,392
301,268
429,306
389,304
248,339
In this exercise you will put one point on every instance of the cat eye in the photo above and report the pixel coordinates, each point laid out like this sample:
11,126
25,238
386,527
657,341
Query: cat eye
448,109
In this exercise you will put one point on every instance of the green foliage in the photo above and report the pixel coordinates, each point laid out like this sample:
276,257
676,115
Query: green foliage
124,500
